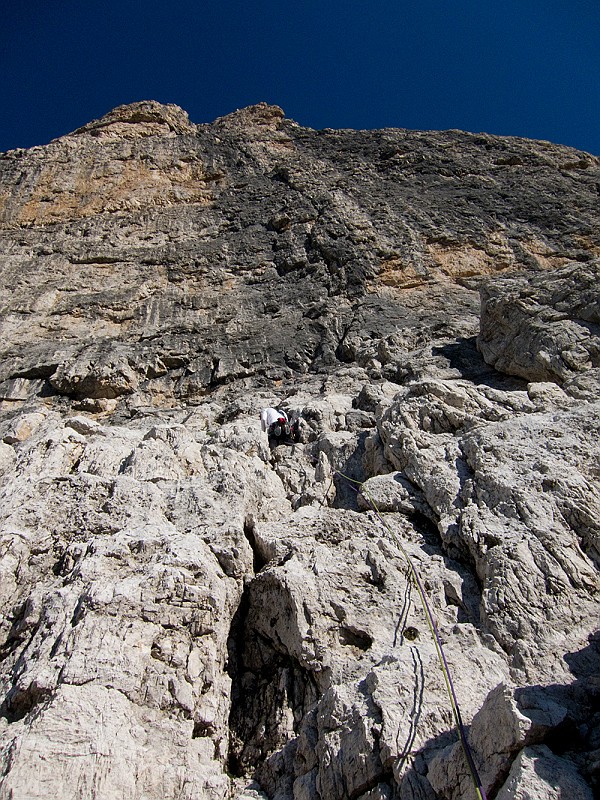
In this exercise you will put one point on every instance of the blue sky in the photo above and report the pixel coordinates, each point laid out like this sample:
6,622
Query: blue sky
515,67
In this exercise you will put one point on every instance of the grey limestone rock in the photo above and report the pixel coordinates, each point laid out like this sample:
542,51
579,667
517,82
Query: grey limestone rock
543,328
186,613
538,773
507,722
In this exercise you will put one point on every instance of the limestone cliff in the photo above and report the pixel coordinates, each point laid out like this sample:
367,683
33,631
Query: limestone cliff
187,614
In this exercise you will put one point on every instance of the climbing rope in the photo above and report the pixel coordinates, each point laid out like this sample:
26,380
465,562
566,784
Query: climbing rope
434,633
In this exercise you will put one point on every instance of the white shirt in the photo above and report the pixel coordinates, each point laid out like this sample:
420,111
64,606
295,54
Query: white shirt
270,415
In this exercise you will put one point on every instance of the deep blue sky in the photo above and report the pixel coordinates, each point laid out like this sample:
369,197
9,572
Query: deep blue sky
516,67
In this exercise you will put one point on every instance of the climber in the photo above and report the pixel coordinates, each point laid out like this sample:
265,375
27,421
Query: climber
277,427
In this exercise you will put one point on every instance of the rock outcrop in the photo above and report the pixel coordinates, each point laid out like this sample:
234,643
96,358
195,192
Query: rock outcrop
185,613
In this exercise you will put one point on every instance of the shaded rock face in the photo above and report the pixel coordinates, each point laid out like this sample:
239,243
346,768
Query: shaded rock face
185,613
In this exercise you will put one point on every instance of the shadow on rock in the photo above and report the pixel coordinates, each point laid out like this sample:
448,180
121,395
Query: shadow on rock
464,356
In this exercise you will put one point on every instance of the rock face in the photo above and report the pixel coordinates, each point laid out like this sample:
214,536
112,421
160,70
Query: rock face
187,614
547,331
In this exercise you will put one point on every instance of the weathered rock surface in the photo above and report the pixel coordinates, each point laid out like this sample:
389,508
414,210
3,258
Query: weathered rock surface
543,330
186,614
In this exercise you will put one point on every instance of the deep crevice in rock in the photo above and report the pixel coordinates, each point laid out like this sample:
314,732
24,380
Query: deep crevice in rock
258,558
20,702
270,692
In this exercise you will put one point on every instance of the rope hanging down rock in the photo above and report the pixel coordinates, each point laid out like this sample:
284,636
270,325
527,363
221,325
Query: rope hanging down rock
434,633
